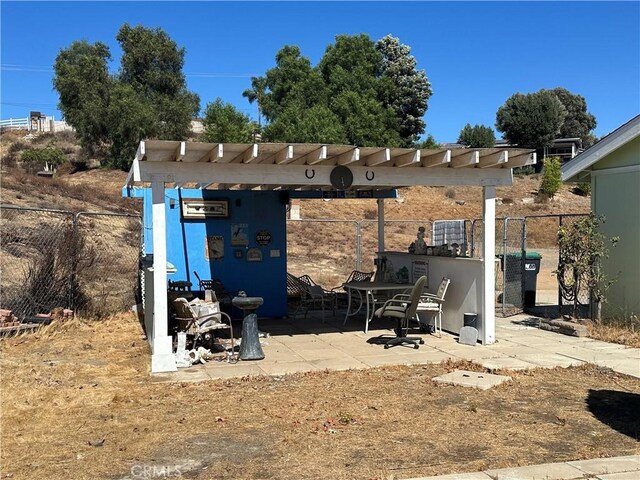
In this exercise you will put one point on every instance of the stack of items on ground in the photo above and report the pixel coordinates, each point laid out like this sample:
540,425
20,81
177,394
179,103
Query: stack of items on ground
8,319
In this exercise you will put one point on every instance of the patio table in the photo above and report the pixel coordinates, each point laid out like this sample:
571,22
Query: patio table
369,289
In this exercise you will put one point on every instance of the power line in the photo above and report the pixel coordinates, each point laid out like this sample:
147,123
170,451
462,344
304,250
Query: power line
44,69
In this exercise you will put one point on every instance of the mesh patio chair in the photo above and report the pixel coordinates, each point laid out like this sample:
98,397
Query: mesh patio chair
403,308
355,276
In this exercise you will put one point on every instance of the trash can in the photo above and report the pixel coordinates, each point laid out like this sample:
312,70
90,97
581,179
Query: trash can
516,268
531,270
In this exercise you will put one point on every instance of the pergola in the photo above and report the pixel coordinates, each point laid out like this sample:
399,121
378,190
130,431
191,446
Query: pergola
289,167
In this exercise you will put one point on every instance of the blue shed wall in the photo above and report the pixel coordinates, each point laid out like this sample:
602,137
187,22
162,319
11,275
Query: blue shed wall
186,241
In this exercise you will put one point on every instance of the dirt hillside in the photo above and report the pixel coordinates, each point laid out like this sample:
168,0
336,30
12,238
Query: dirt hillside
80,185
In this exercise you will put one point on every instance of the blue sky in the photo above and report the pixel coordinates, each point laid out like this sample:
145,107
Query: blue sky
476,54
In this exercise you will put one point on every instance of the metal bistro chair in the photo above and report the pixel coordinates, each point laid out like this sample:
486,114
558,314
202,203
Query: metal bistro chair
313,296
355,276
403,307
433,303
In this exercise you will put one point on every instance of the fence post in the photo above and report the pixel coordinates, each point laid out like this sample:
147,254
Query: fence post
559,257
74,263
358,246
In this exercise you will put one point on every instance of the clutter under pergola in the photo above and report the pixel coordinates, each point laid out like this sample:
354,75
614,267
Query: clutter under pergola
310,171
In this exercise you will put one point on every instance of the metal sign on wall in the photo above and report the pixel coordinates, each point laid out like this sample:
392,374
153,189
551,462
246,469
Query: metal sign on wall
263,237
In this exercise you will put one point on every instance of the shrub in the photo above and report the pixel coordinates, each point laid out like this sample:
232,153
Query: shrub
451,193
551,176
583,189
44,156
527,170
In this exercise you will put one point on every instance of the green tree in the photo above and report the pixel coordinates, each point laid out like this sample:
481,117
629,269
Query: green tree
582,248
408,89
223,123
147,99
83,83
533,120
429,142
152,64
357,94
551,176
477,136
578,123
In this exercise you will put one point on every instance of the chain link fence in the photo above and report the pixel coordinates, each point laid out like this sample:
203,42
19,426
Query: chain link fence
52,258
543,239
326,250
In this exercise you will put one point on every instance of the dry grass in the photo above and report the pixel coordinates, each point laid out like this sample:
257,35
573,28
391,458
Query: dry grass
621,333
71,387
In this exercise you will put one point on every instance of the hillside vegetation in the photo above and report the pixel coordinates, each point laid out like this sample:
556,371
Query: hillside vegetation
80,185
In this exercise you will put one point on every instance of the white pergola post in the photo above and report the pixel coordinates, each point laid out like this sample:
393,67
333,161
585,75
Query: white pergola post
162,358
381,224
488,264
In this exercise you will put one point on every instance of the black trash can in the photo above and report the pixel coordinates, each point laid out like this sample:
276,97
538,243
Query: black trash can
531,270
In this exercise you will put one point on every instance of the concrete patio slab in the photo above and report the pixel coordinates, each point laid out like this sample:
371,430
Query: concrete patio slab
233,370
465,378
616,468
338,364
599,466
618,476
459,476
286,368
550,360
505,363
547,471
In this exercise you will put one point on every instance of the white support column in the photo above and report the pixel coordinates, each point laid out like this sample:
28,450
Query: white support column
381,224
162,357
488,314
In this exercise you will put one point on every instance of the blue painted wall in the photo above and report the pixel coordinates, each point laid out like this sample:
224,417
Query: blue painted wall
186,243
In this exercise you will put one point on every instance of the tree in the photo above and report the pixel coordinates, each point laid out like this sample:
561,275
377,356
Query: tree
578,123
533,120
152,64
582,249
551,176
147,99
223,123
429,142
83,83
359,93
408,88
477,136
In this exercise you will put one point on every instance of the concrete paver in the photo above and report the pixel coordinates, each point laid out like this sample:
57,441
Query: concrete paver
598,466
505,363
464,378
619,476
459,476
546,471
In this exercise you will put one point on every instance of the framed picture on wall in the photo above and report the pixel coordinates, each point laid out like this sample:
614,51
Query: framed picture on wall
214,247
197,208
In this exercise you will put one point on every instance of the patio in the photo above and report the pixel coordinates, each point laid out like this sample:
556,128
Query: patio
306,345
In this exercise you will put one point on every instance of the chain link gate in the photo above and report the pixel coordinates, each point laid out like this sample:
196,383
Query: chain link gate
510,242
52,258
